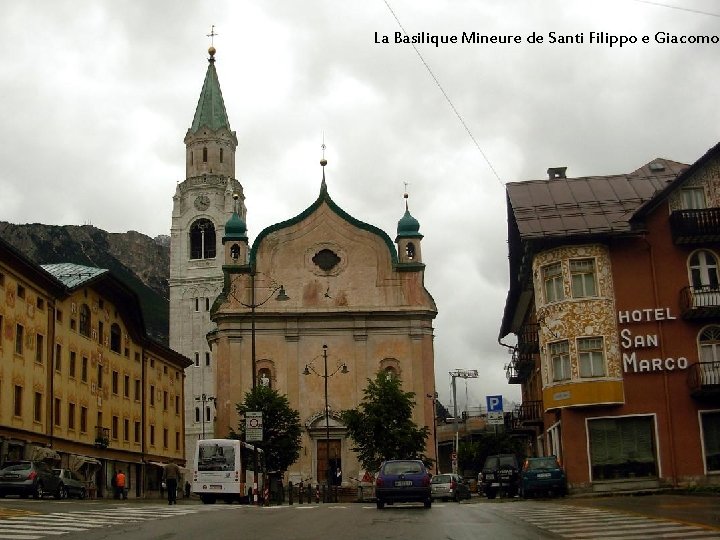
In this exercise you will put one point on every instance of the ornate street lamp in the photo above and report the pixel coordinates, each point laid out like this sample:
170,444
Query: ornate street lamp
342,368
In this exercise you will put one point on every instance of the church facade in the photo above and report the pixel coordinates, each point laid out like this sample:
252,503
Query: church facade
314,307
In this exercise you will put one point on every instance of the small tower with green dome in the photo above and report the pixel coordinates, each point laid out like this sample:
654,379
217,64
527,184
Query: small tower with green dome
408,240
235,240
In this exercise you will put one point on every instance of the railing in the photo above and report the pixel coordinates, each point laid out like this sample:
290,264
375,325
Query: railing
529,338
689,226
519,369
701,301
102,437
704,379
529,412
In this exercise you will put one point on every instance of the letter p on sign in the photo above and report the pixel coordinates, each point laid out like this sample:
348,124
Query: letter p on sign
494,403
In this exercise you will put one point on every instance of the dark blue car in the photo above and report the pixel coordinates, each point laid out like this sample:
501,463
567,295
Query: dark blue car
542,475
403,480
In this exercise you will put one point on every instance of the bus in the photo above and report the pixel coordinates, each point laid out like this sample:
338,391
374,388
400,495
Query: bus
224,470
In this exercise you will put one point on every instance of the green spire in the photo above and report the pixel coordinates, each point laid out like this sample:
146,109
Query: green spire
210,110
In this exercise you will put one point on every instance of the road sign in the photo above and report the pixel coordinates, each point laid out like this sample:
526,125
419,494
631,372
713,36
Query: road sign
453,456
495,418
494,403
253,427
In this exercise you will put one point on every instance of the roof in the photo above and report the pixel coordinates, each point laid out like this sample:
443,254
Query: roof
13,257
210,110
587,205
74,275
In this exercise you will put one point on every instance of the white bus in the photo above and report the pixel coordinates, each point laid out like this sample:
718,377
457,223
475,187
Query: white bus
224,470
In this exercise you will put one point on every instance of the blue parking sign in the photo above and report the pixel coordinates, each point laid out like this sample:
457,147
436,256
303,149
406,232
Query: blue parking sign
494,403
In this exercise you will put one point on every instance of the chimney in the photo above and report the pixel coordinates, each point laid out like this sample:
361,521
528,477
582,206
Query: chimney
556,172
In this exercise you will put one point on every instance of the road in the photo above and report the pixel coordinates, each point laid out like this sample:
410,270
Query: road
477,518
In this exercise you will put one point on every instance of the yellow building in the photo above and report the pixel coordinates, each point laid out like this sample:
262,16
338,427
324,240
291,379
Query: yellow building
81,384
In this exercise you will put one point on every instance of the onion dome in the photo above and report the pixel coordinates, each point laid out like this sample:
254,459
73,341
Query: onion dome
235,228
408,226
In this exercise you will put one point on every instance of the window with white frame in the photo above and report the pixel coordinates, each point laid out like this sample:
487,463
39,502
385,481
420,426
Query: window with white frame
582,278
553,282
591,357
560,360
693,198
703,270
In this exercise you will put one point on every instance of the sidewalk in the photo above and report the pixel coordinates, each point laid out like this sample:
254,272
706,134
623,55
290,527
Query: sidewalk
692,509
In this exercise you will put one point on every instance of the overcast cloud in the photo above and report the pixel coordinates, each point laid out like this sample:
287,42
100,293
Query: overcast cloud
96,97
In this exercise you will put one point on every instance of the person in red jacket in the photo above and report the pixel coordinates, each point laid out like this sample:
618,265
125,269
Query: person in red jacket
120,485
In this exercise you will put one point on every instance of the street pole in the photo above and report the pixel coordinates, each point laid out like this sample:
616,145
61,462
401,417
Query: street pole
455,421
254,368
327,427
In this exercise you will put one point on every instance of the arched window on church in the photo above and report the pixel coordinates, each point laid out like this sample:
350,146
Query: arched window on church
115,336
85,320
204,154
410,251
197,414
221,155
235,252
202,239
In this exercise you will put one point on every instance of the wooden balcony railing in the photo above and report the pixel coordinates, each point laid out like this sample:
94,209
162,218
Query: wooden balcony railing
700,302
704,381
529,338
695,226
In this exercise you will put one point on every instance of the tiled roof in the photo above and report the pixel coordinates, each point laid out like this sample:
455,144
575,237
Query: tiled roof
586,205
74,275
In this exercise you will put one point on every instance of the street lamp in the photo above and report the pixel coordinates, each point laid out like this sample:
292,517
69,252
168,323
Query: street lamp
203,399
434,397
253,305
342,368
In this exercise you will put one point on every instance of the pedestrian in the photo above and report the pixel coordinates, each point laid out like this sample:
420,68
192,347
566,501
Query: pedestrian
171,475
187,489
120,485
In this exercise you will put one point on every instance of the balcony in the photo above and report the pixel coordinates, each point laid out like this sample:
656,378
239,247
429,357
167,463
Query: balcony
102,437
529,339
704,381
700,302
695,226
519,369
526,417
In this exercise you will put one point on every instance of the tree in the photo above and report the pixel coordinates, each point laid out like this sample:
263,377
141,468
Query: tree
281,427
381,426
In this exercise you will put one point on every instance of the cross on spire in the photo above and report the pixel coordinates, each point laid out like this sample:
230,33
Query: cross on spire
212,35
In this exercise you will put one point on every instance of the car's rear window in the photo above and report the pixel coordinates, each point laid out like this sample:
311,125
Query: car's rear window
403,467
542,463
18,467
441,479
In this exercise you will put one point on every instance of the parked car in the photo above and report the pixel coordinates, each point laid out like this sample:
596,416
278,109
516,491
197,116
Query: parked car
26,478
449,486
500,474
542,475
402,480
70,484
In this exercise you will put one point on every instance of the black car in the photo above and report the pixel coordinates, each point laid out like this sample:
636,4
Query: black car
403,480
500,474
29,478
71,485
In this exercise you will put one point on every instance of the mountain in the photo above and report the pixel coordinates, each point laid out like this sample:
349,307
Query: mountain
141,262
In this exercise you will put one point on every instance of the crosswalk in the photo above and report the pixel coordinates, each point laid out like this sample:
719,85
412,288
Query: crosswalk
594,523
35,526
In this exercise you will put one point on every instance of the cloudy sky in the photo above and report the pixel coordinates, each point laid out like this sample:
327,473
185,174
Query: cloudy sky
96,97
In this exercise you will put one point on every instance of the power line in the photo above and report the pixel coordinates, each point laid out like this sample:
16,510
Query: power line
447,98
669,6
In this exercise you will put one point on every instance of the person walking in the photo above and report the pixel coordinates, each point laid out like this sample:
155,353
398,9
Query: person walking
171,475
120,485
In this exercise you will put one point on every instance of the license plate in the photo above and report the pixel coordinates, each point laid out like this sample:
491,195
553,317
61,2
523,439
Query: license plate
544,475
403,483
215,486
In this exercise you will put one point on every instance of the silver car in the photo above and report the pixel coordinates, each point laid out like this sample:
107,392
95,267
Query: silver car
449,486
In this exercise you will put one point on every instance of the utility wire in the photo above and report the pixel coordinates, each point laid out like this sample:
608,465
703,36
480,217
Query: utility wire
669,6
447,98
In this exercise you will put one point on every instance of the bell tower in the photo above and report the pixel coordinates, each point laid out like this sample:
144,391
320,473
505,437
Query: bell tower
203,203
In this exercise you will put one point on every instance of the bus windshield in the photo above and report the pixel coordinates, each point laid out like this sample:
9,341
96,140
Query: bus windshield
216,456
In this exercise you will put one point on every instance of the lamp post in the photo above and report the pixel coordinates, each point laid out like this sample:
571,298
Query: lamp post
203,399
342,368
253,305
434,397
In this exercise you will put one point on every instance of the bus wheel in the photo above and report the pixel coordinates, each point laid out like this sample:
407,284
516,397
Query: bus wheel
207,499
